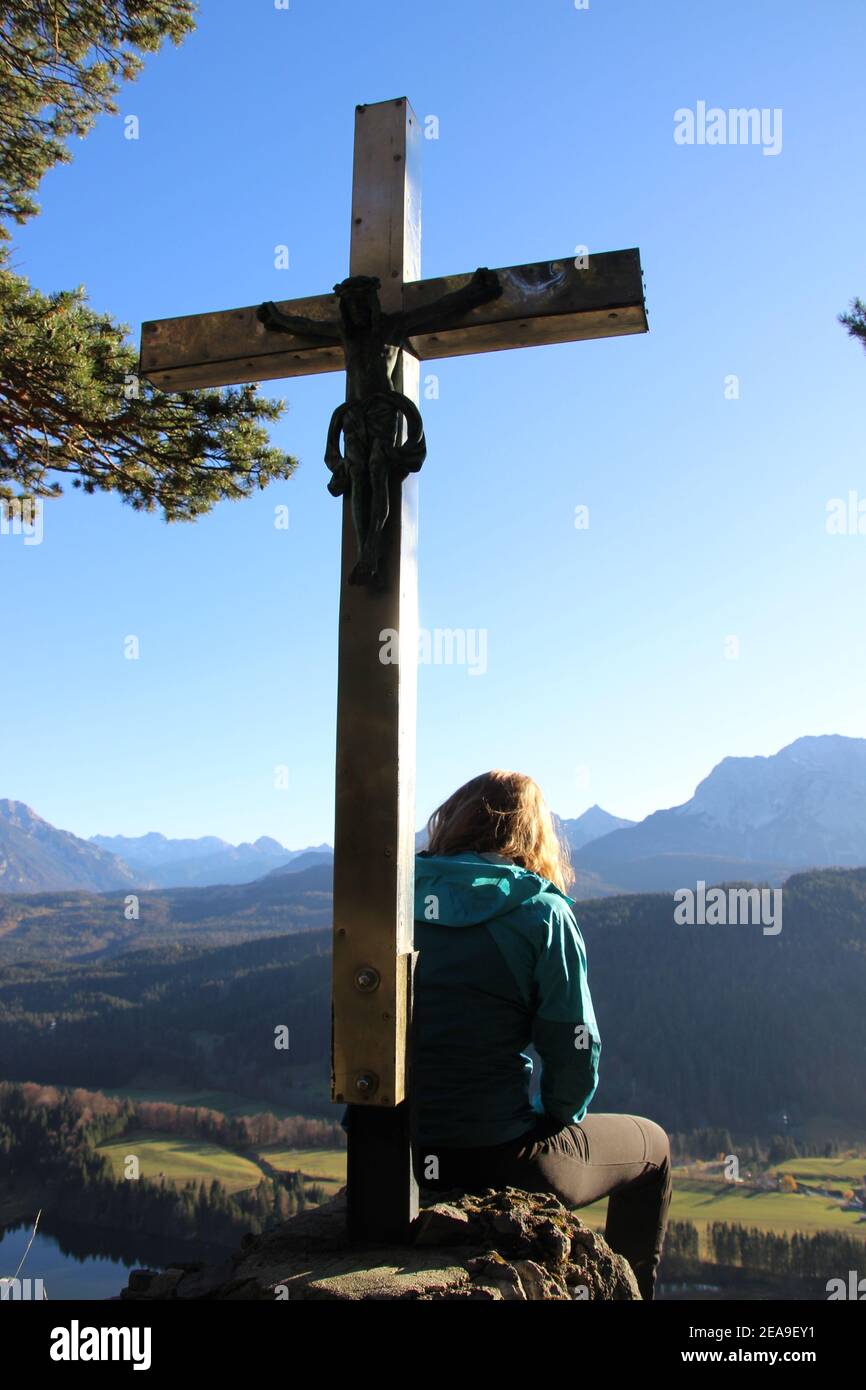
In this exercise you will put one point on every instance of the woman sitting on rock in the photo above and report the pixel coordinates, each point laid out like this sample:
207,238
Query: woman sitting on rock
502,965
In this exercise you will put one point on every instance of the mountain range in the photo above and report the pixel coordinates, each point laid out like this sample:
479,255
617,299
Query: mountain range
159,862
35,857
757,819
590,826
752,818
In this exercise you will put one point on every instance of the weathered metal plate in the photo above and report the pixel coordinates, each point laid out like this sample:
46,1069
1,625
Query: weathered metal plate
548,302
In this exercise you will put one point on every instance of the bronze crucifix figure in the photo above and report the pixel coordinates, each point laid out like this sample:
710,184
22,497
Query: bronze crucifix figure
371,419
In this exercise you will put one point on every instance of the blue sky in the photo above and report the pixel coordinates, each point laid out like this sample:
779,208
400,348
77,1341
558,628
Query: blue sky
608,674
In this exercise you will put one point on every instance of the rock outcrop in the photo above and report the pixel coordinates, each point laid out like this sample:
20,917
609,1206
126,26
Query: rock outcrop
488,1247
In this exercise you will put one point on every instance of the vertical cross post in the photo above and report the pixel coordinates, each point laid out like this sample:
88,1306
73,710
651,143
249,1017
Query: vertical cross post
374,833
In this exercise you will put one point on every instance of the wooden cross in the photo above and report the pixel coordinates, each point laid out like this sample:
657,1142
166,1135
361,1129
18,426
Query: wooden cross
556,301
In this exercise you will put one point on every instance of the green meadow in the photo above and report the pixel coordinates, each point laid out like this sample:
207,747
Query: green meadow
326,1167
179,1159
845,1172
704,1201
701,1200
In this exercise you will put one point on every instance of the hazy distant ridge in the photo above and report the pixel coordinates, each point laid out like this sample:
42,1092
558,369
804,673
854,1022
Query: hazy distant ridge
757,819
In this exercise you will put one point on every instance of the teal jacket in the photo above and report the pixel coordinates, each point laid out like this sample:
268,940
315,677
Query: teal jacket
502,965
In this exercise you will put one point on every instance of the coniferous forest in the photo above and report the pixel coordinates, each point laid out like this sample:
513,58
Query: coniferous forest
701,1026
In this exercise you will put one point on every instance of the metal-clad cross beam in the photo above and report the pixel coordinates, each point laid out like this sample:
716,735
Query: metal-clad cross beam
374,845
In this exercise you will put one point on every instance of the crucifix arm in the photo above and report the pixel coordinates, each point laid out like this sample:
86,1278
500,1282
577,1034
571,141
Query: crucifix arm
484,286
277,322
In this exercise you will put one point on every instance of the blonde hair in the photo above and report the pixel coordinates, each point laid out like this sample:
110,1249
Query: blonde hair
505,813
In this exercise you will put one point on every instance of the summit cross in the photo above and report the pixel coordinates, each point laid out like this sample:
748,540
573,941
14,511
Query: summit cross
378,326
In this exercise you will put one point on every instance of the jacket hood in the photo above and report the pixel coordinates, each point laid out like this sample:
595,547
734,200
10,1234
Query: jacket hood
464,890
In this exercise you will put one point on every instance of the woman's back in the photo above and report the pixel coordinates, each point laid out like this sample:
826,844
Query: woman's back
501,965
493,939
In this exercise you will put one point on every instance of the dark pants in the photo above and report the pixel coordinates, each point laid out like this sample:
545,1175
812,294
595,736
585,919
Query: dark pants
623,1157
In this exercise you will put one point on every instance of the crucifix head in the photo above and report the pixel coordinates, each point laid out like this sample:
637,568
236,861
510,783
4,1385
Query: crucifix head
359,302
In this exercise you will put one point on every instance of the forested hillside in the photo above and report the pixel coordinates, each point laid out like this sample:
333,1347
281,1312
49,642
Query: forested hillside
709,1024
701,1025
177,1016
75,926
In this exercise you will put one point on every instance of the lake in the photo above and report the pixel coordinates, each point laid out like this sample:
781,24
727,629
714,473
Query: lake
80,1262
